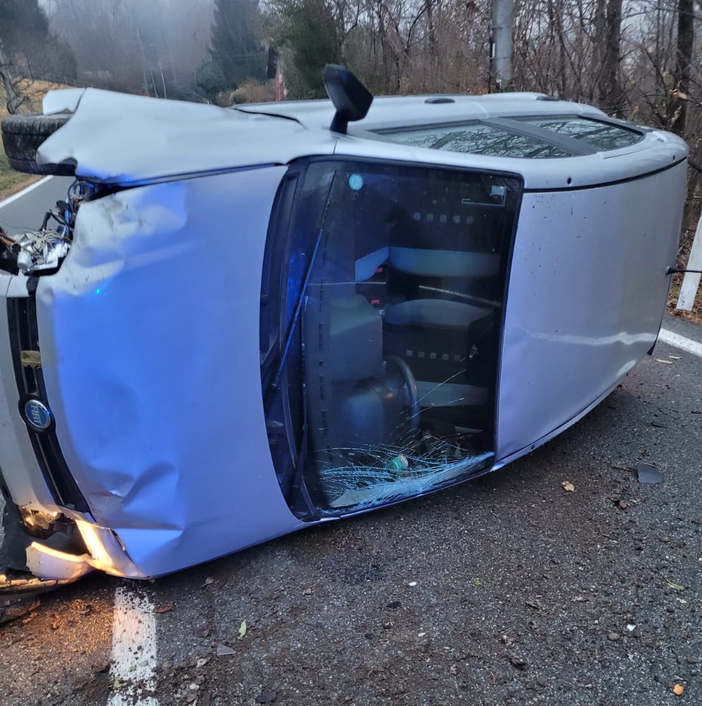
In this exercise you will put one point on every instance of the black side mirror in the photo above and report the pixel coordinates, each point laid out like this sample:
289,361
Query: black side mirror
349,96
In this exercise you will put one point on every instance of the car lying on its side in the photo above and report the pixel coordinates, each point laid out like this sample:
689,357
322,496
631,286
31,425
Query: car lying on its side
244,322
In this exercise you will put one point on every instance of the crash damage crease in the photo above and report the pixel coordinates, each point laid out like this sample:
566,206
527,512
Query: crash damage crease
105,302
123,139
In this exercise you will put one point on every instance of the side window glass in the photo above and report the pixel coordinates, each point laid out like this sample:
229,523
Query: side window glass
477,138
602,136
400,329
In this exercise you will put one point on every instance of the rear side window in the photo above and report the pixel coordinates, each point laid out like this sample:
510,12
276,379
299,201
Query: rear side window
478,138
601,136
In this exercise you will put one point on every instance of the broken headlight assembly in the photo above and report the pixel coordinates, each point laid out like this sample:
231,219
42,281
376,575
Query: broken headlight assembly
41,252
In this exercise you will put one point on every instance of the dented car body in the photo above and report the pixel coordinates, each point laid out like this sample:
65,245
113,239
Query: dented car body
257,324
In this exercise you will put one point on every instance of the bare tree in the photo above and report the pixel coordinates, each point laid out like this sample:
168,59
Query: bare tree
132,45
682,76
10,82
609,93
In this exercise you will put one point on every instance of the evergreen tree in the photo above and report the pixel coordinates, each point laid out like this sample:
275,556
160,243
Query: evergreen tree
20,21
235,48
28,48
310,38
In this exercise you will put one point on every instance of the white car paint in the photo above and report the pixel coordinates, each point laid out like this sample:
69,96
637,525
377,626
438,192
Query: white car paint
158,404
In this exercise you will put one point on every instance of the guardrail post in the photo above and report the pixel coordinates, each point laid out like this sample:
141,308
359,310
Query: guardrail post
691,281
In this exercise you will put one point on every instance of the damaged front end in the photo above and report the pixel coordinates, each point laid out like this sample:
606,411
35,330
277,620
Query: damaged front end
41,252
48,535
24,534
26,531
44,550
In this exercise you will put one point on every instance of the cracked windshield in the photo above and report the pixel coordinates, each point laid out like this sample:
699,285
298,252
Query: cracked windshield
401,330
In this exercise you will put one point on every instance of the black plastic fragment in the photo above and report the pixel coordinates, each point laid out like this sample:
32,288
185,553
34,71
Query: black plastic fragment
648,474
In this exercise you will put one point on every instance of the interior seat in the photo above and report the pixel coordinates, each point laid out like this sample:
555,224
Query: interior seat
446,343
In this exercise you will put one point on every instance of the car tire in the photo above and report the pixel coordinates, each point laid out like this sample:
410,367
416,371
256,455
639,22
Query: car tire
22,135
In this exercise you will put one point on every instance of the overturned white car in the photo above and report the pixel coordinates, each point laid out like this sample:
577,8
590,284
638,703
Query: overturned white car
245,322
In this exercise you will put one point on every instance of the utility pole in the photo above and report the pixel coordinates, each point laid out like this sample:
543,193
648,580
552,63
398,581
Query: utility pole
501,46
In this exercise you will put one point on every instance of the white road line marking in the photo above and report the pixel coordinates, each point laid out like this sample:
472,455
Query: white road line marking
133,649
24,192
678,341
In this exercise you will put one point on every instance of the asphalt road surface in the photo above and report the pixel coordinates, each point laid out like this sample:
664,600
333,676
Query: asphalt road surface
505,590
25,211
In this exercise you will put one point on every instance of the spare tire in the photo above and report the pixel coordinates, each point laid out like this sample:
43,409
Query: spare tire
23,134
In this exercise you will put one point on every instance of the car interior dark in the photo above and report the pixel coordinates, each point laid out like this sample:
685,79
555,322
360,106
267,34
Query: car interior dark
395,279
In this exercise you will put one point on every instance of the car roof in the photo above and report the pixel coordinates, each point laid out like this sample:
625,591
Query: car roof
125,139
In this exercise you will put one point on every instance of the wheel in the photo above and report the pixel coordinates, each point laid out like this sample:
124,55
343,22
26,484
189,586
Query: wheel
22,135
410,383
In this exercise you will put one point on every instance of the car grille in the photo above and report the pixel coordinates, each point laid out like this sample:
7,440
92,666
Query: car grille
24,336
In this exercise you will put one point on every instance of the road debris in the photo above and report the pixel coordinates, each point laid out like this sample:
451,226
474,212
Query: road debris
567,485
674,586
18,609
648,474
678,689
518,662
165,608
223,650
242,630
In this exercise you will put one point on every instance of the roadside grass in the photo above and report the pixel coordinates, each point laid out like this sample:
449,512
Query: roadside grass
10,180
695,316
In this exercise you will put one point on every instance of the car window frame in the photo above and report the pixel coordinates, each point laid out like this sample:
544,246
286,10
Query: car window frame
549,138
641,130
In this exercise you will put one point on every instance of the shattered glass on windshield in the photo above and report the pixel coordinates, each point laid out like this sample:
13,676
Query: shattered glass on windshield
398,314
